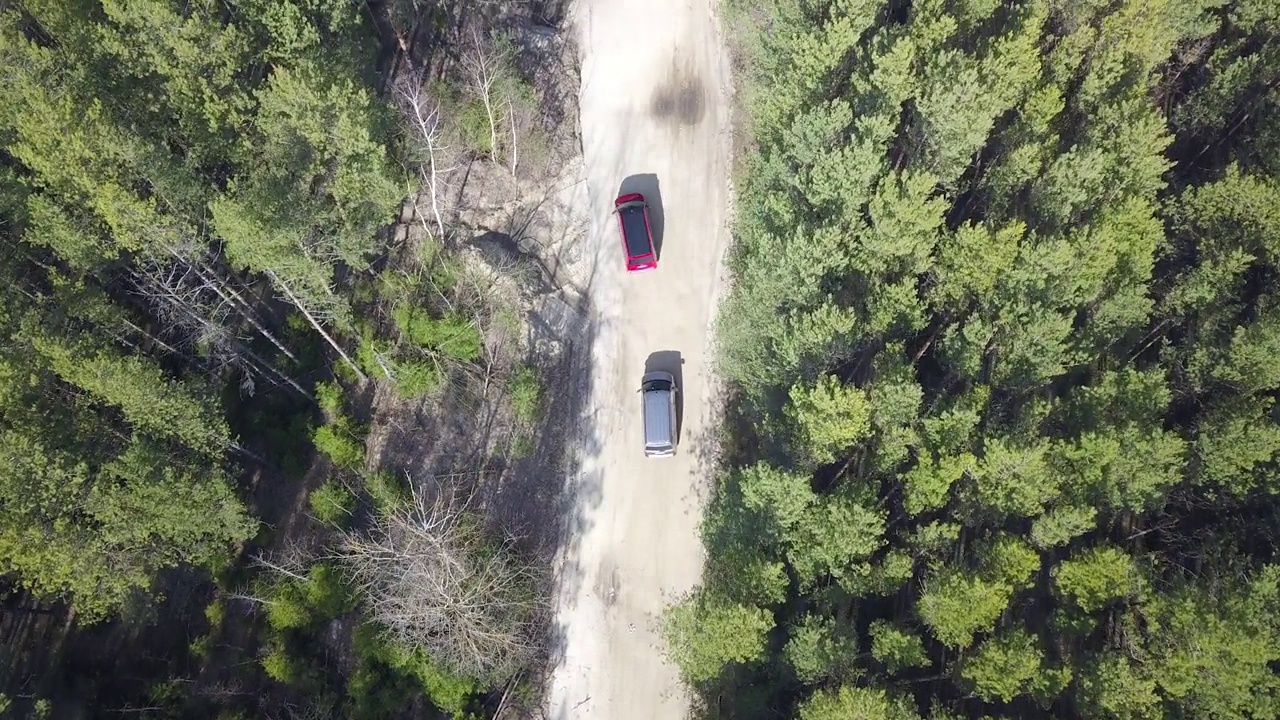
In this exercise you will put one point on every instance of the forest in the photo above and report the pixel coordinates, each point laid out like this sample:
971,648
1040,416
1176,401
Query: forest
1004,346
230,270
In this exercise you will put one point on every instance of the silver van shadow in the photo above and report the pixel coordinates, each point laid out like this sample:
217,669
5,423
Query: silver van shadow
658,392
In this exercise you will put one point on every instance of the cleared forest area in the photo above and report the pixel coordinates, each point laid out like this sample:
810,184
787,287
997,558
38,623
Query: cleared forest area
280,288
1003,347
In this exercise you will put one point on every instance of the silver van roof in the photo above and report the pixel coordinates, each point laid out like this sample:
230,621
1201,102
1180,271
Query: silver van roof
658,433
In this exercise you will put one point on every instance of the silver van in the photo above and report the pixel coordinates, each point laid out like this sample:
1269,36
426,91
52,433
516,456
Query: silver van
658,392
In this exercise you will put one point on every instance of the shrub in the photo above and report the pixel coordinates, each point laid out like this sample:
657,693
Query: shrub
287,607
294,604
457,337
285,667
285,429
522,446
830,417
386,489
897,647
473,122
415,379
453,334
447,691
450,693
1097,577
332,503
345,372
367,355
215,612
327,595
329,397
413,322
339,441
817,650
526,394
375,692
279,666
199,647
445,274
412,378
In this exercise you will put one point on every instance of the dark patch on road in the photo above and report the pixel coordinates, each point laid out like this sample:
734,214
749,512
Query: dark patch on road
608,583
682,98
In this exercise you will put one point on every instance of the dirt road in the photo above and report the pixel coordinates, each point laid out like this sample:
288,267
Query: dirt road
654,120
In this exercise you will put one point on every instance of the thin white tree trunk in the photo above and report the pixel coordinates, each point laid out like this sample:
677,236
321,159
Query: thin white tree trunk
230,295
511,122
424,114
493,125
315,324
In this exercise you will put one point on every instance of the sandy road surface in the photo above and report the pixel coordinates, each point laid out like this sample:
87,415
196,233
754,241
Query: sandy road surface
654,120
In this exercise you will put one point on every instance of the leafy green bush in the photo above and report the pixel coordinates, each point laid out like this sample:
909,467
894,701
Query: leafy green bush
522,446
1098,576
280,666
445,273
199,646
386,489
830,417
413,322
448,692
345,373
294,604
473,122
329,397
287,607
415,379
285,667
285,430
817,650
332,503
1011,664
340,442
412,378
453,334
897,647
526,394
215,612
376,691
369,353
326,593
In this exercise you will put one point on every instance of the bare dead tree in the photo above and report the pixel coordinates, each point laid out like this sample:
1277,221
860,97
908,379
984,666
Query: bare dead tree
434,581
291,560
196,257
423,114
485,64
182,298
229,294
